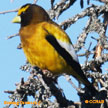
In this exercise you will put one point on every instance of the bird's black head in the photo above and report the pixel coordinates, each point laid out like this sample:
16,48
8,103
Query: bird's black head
31,14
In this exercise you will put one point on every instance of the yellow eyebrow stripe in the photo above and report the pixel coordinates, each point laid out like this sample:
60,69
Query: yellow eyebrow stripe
23,9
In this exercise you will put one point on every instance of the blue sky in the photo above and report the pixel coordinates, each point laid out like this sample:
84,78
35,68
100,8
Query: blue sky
11,58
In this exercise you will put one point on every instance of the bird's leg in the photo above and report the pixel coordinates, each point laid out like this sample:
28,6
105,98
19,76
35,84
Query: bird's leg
45,71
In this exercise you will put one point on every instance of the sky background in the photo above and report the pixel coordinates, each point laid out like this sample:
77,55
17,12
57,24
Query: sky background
11,58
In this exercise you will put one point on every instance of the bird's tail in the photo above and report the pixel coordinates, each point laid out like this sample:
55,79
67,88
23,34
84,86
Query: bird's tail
82,78
89,86
92,89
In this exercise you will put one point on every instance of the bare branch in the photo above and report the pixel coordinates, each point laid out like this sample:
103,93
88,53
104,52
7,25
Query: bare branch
73,85
14,35
9,11
35,1
60,7
104,1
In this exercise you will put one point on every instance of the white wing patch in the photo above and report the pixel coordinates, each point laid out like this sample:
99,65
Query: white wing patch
69,48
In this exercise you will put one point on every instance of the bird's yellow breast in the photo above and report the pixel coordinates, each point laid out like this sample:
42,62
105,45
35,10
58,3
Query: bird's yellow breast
40,52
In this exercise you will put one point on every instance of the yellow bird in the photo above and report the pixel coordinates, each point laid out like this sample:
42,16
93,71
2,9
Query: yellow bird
46,45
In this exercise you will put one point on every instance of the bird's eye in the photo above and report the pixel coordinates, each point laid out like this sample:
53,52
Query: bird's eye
23,13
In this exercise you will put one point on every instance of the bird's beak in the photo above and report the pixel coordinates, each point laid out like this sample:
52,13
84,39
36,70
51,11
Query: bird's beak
16,19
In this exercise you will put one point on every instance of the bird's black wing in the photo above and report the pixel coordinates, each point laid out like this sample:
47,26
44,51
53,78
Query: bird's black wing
73,63
62,51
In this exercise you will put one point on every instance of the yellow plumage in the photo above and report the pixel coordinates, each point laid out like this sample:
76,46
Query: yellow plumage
41,53
46,45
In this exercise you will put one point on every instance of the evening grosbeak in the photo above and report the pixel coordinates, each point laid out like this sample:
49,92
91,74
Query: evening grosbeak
46,45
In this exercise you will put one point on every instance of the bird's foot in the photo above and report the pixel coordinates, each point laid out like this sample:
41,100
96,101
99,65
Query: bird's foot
47,73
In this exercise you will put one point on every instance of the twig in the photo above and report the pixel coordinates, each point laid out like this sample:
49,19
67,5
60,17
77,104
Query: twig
104,1
87,12
35,1
69,80
67,23
52,2
60,7
95,64
102,82
9,92
87,53
9,11
82,38
19,46
14,35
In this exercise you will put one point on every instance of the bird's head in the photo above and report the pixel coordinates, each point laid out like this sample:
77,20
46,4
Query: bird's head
31,14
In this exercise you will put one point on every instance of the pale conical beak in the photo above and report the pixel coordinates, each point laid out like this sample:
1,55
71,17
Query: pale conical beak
16,19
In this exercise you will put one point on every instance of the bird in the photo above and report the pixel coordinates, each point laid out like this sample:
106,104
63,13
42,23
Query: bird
47,45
